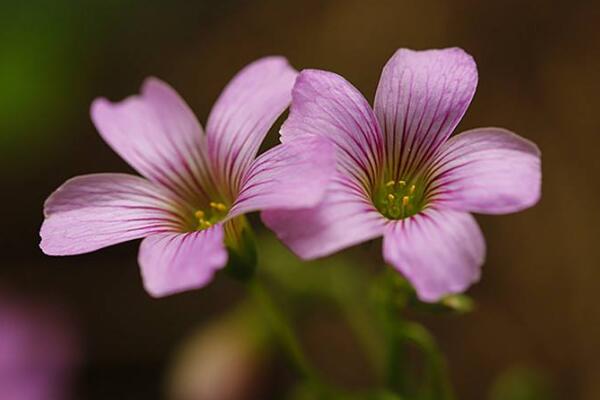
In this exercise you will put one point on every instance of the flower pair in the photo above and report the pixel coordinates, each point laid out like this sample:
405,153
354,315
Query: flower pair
344,173
197,186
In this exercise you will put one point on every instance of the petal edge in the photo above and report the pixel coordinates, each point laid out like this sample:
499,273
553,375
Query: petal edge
421,97
439,251
489,171
175,262
288,176
344,218
243,114
90,212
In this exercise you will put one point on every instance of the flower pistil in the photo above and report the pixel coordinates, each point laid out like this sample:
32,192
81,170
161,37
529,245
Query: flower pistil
217,211
400,199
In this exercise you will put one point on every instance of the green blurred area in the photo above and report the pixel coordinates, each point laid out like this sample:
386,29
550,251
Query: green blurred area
522,383
537,303
37,62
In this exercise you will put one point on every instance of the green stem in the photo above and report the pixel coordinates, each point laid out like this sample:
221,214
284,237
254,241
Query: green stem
358,315
393,303
400,333
395,357
281,327
437,382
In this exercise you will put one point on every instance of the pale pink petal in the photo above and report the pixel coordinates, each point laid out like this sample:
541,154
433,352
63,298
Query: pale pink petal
421,97
290,175
487,170
176,262
325,104
439,251
344,218
158,135
93,211
243,115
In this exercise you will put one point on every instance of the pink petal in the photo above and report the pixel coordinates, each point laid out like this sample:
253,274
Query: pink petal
344,218
421,97
94,211
439,251
243,115
290,175
158,135
488,170
176,262
325,104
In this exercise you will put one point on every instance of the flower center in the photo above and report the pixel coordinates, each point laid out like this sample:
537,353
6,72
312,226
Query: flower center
400,199
207,218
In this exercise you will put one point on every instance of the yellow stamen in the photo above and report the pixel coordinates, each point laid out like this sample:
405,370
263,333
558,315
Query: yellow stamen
199,214
405,201
391,197
218,206
203,224
412,189
402,183
390,183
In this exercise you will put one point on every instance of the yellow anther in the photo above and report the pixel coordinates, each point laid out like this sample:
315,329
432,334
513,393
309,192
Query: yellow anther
390,183
199,214
204,224
412,189
218,206
391,197
402,183
405,201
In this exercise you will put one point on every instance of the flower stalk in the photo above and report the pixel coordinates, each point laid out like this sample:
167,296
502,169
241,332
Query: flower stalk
393,297
286,336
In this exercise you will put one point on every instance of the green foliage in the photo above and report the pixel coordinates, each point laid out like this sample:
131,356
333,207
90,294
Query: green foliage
373,304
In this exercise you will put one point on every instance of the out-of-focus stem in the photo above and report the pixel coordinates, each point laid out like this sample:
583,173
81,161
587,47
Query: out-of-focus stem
400,333
288,340
437,385
358,315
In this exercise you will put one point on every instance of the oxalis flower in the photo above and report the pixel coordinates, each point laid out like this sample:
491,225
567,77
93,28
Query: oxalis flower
189,206
400,176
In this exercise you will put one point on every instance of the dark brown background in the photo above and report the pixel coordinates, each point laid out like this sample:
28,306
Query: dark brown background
539,67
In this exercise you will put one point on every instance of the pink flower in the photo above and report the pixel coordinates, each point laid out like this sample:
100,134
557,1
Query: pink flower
401,177
189,206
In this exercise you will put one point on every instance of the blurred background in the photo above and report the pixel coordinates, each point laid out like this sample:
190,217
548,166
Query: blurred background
537,318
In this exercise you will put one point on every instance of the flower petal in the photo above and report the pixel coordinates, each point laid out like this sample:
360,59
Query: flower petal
158,135
344,218
290,175
243,115
93,211
421,97
487,170
325,104
176,262
439,251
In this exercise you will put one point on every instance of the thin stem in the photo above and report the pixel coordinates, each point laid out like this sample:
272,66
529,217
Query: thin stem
399,333
392,303
285,335
358,314
394,377
437,383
